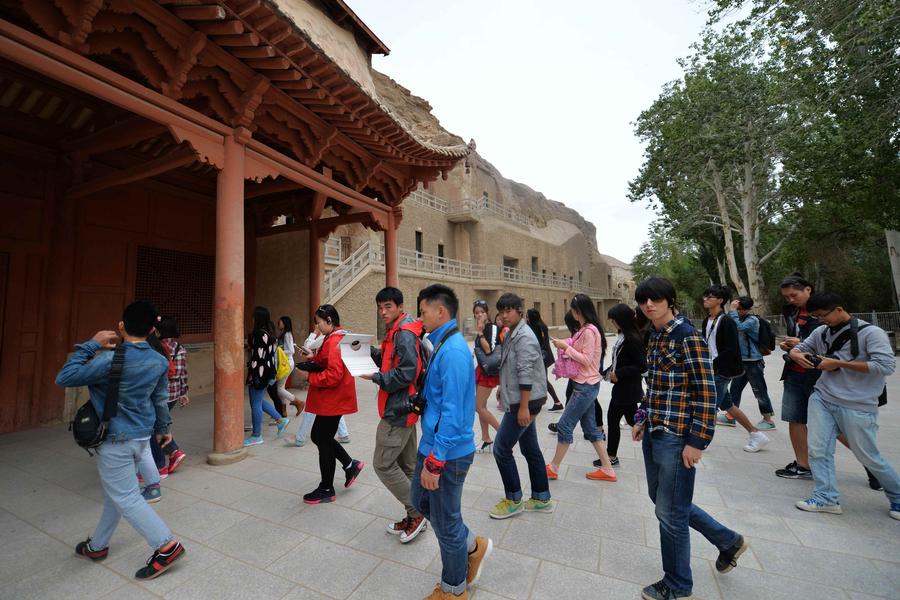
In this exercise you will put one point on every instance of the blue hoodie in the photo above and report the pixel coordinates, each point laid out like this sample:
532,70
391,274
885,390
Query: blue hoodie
143,389
450,390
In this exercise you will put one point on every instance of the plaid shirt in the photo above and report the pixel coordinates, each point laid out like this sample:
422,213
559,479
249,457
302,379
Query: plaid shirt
681,384
178,385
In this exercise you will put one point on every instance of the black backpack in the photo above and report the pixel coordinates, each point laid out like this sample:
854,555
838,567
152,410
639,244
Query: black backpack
88,429
765,338
852,335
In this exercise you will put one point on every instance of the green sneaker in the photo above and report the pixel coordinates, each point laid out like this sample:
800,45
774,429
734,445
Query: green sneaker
507,508
542,506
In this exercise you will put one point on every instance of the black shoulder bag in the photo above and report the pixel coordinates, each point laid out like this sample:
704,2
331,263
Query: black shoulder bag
88,429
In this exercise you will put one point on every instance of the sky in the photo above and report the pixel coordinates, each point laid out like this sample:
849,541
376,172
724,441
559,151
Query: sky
549,90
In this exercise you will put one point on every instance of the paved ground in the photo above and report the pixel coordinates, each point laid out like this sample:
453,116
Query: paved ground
249,535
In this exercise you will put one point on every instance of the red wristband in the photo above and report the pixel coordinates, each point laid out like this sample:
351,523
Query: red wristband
433,465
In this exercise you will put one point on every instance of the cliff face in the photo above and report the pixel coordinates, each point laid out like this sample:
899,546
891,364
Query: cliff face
532,203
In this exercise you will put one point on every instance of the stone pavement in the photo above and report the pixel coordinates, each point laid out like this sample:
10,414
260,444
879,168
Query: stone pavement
249,535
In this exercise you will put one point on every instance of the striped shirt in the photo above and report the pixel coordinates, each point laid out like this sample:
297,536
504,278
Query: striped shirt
681,384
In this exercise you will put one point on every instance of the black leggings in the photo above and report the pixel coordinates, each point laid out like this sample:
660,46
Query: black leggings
322,435
552,391
617,410
276,399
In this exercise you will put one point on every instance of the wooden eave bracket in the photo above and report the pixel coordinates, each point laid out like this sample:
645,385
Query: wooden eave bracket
181,156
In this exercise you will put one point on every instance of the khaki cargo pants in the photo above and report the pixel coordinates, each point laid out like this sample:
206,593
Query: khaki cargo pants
395,461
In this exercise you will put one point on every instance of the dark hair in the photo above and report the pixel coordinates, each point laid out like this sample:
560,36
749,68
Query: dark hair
571,322
439,292
825,301
261,319
717,290
329,314
625,319
509,300
389,294
168,328
796,281
534,317
585,307
745,302
656,288
139,318
288,325
157,345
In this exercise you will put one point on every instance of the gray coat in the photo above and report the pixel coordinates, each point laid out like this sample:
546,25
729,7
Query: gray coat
522,367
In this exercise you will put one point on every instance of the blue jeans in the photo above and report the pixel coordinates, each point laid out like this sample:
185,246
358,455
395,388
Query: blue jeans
442,507
580,408
258,404
122,496
754,373
509,433
146,466
826,421
723,397
671,487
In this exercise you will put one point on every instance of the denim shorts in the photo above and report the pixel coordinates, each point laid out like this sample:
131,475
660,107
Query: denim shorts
723,395
795,400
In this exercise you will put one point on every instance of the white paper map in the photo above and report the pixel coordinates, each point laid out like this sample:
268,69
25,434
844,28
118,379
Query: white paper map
356,354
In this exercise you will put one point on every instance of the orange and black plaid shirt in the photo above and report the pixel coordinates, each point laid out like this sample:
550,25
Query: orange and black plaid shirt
681,387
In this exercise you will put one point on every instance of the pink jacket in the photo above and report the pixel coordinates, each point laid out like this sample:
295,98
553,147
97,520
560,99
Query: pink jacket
586,351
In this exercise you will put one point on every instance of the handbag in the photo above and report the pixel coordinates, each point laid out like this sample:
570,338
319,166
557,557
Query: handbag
88,428
489,362
565,367
284,365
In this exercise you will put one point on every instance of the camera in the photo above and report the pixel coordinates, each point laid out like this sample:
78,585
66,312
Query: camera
816,359
415,404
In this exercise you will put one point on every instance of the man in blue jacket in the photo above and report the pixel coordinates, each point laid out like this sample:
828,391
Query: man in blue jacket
142,411
447,448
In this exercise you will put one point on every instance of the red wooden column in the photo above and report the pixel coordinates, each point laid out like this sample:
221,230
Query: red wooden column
228,432
316,269
391,275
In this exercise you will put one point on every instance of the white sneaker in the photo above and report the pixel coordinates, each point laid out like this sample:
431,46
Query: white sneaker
757,442
814,505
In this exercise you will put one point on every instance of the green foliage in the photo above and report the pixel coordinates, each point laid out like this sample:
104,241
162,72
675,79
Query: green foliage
810,91
679,261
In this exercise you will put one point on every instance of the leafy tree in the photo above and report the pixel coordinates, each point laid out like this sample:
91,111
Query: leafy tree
713,153
679,261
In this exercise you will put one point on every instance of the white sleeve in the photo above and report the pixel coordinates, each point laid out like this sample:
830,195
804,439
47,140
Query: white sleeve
289,344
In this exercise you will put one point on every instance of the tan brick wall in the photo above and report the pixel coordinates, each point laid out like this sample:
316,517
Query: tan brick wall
282,276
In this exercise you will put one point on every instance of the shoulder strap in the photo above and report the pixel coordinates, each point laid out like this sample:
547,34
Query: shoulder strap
115,377
851,334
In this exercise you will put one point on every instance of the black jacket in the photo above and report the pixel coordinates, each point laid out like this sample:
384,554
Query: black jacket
543,336
728,363
631,363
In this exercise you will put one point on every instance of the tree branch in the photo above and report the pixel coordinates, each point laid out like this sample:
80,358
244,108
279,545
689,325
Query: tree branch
778,246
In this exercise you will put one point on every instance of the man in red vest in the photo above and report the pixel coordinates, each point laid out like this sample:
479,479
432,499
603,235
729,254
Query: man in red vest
400,361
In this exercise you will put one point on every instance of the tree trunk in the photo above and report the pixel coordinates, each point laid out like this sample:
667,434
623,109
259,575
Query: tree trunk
720,266
750,217
722,203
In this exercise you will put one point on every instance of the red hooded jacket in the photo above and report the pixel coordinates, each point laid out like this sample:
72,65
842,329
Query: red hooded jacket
333,391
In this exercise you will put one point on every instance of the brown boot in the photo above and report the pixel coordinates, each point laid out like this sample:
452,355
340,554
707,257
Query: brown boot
440,594
483,548
298,405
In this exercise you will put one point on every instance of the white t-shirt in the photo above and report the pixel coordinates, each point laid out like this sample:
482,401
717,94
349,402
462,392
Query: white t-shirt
712,326
287,344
